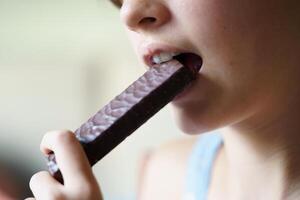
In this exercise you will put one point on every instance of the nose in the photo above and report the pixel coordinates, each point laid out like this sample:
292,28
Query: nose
140,15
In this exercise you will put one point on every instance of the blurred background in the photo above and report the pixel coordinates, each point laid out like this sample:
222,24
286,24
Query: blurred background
60,62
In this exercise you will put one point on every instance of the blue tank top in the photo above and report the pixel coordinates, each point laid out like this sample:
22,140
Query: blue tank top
200,165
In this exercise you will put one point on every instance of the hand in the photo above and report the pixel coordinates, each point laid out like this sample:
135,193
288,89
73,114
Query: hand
79,181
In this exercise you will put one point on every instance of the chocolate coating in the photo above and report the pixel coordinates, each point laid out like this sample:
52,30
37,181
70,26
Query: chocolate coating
129,110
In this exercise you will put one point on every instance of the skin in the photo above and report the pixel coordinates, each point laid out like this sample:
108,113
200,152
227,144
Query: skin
80,182
248,87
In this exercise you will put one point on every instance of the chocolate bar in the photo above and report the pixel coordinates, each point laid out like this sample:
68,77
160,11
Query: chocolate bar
129,110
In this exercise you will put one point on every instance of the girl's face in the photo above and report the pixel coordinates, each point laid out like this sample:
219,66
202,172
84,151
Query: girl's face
239,41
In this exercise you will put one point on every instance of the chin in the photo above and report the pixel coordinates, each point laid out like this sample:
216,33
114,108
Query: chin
188,123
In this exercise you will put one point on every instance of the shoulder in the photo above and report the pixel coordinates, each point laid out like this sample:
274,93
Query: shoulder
163,171
173,151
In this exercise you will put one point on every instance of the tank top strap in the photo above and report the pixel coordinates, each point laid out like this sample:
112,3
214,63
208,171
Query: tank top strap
200,165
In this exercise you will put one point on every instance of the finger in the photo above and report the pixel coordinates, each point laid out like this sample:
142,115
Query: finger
69,154
44,186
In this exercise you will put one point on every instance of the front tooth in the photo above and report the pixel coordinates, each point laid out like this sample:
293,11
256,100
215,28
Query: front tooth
175,54
156,59
166,57
162,57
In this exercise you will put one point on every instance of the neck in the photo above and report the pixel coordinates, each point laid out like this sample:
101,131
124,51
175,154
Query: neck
260,152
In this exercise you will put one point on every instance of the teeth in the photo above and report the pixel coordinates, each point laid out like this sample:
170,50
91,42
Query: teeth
163,57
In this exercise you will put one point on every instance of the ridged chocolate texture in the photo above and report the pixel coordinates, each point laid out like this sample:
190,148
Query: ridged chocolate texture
129,110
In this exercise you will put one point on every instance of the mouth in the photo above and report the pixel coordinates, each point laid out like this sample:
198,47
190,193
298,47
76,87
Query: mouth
187,59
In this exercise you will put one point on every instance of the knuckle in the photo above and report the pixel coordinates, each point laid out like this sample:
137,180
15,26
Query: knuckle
63,137
49,192
34,180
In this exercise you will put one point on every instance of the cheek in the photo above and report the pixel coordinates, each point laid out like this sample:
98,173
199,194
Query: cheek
217,25
229,37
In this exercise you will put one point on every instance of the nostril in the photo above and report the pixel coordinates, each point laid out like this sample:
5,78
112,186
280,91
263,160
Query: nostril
148,20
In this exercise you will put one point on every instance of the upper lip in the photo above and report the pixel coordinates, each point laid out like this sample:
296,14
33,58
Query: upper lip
155,48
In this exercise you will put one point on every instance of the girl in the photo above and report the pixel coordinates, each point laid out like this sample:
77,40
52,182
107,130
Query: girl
248,88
